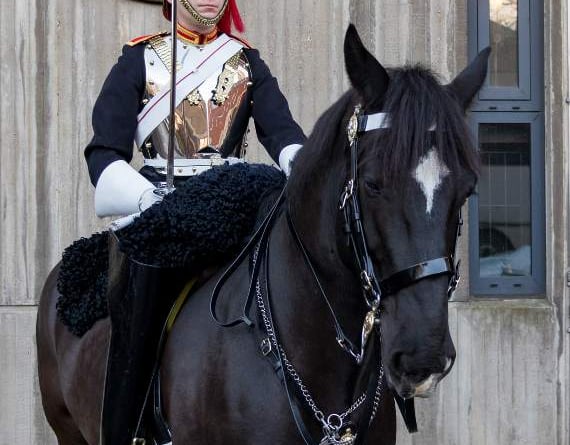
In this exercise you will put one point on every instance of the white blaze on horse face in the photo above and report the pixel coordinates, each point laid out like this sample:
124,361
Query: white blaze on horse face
429,174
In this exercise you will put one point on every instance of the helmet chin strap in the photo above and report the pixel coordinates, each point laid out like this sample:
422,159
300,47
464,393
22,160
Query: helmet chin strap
199,18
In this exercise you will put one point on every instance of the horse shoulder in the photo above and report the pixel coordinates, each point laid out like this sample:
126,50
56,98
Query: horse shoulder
209,369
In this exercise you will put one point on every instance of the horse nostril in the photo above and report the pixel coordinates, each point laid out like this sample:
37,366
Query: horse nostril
404,365
420,375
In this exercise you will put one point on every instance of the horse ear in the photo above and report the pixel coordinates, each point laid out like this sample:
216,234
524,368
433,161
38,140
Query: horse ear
366,74
471,79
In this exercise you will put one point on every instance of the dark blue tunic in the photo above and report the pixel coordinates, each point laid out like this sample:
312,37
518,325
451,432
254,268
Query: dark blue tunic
120,101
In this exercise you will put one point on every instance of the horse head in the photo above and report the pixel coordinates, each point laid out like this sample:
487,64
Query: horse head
415,175
415,166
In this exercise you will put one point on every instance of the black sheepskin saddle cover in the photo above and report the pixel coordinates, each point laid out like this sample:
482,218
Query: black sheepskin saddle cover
204,222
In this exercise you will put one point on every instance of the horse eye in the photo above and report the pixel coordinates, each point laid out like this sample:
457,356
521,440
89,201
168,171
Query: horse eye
371,186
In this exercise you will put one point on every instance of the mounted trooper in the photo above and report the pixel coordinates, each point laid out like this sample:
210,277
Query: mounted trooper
221,83
230,84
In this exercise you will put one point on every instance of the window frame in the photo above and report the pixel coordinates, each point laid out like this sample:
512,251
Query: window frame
529,95
520,285
512,105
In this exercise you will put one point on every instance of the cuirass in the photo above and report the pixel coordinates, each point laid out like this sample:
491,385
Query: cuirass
204,118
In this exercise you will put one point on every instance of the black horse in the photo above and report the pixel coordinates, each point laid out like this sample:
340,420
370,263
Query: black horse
359,250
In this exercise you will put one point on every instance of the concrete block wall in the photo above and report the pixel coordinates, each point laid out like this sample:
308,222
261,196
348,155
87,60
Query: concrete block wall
509,379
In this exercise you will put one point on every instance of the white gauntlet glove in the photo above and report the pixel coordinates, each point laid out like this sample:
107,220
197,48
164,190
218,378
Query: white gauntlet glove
286,157
121,190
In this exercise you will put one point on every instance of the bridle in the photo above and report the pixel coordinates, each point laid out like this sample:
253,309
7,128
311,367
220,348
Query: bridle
373,291
349,203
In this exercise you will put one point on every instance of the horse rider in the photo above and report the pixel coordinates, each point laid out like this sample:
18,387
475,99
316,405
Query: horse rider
230,84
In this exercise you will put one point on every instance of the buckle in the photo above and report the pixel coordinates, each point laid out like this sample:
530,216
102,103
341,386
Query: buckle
265,347
346,194
366,281
454,281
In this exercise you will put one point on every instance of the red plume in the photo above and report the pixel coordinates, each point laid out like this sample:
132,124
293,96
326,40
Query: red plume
166,10
231,16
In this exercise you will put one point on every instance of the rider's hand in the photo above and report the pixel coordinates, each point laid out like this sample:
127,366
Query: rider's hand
150,197
120,189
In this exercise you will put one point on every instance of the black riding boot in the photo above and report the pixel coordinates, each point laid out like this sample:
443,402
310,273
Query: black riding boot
140,297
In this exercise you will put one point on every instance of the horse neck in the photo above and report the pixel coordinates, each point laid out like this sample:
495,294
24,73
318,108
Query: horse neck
304,323
300,306
314,211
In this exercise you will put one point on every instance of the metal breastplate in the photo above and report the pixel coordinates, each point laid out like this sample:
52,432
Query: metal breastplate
205,116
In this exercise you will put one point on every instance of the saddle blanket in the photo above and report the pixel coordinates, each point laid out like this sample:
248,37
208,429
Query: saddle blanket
203,223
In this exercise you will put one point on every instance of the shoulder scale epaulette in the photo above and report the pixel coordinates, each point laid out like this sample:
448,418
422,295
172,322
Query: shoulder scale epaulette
146,38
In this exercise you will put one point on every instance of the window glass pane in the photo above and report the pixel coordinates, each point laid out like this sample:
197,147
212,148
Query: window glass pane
504,200
503,38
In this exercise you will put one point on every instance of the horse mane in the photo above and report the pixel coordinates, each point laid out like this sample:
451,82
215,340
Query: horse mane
320,147
416,102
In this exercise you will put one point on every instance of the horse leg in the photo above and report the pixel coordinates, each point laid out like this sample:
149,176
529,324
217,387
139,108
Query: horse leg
55,408
56,411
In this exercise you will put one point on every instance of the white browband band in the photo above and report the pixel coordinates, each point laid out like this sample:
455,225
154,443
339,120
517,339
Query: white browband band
376,121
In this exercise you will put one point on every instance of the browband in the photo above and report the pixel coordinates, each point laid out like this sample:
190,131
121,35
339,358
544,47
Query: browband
376,121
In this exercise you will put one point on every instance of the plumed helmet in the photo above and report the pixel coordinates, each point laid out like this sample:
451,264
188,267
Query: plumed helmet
231,17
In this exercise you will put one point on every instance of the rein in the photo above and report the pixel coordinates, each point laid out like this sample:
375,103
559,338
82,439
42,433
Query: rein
373,290
259,238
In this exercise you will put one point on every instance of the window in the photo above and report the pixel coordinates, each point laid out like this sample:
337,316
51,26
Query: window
506,216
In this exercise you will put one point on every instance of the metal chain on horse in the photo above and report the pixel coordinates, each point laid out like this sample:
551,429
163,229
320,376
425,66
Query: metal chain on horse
334,422
377,394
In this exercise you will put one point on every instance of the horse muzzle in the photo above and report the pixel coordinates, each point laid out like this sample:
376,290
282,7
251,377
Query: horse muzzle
407,386
426,388
423,389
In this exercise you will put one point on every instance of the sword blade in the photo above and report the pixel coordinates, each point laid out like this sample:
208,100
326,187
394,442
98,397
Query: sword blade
173,65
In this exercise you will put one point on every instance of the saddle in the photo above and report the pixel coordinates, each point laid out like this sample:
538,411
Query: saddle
199,226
